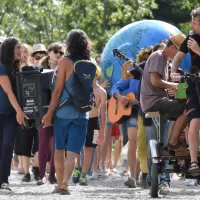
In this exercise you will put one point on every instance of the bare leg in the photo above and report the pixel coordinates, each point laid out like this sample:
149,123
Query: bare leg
36,162
109,155
26,164
87,160
137,169
179,126
20,162
118,149
96,159
193,138
69,166
59,165
104,147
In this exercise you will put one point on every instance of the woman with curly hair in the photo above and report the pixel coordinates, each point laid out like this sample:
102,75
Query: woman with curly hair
69,125
10,111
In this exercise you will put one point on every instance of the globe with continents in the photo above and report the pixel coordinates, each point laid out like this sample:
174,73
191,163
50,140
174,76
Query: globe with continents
130,40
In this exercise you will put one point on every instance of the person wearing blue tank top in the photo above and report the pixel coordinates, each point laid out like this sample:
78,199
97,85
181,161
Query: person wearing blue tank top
10,111
70,126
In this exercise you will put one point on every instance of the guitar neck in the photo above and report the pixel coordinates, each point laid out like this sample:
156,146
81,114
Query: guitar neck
140,70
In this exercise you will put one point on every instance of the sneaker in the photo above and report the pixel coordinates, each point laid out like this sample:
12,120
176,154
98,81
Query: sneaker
5,186
95,175
191,182
41,181
52,179
114,170
104,172
83,181
144,183
163,188
26,178
138,182
131,183
76,175
56,190
36,173
125,173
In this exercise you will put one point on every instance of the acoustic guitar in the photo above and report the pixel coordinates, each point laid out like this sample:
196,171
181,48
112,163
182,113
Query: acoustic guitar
117,111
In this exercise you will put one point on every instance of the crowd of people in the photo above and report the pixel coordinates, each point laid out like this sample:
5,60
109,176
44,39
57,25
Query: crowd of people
78,145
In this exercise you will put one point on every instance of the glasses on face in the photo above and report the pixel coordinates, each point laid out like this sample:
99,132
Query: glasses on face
60,52
38,57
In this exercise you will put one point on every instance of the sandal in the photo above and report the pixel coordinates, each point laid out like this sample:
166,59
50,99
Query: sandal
64,190
194,169
57,190
173,147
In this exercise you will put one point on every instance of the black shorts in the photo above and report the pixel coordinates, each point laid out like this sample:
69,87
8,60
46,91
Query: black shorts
171,108
92,132
193,106
193,103
27,142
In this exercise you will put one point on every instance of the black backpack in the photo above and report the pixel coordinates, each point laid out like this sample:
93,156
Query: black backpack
82,98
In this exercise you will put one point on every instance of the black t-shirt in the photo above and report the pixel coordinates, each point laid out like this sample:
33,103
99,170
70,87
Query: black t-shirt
195,58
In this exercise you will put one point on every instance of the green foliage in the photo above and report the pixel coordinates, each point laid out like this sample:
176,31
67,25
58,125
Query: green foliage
47,21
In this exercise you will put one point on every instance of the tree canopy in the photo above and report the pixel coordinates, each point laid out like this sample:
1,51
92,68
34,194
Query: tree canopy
47,21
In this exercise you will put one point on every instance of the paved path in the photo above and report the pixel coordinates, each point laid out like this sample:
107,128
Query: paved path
111,188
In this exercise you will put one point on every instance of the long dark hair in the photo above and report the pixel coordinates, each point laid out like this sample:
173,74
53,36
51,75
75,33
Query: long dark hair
7,56
78,45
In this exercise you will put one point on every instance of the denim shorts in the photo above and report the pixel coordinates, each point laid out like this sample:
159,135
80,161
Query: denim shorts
108,123
70,134
131,122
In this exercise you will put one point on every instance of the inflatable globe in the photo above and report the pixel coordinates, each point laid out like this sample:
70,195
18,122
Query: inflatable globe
130,40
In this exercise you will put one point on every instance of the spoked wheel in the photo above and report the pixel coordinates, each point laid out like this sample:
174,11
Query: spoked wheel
154,180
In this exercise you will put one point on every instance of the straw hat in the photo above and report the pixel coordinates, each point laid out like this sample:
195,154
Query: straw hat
38,48
177,39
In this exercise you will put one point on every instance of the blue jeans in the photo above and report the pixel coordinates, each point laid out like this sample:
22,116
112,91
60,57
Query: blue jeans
152,134
8,129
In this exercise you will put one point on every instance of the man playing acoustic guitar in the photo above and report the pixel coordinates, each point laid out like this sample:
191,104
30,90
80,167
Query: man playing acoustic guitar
153,96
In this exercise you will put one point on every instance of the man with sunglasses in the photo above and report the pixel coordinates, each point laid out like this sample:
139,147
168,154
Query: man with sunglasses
37,53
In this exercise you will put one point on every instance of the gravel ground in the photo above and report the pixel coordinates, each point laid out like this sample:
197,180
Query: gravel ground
110,188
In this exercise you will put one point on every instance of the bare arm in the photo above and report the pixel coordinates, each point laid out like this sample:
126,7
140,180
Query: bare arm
103,109
177,61
158,82
63,66
126,74
60,81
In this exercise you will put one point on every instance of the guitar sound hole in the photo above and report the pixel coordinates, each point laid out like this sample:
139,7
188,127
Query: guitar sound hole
126,107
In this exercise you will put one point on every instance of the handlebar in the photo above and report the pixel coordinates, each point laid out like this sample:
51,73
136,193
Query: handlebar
187,77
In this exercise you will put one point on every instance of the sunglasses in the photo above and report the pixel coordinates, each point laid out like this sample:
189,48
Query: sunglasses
60,52
38,57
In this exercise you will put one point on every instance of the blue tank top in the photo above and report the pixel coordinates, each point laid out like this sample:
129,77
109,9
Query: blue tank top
68,111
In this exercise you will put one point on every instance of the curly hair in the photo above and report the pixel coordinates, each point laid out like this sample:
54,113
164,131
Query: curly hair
78,45
144,54
53,46
26,55
7,56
